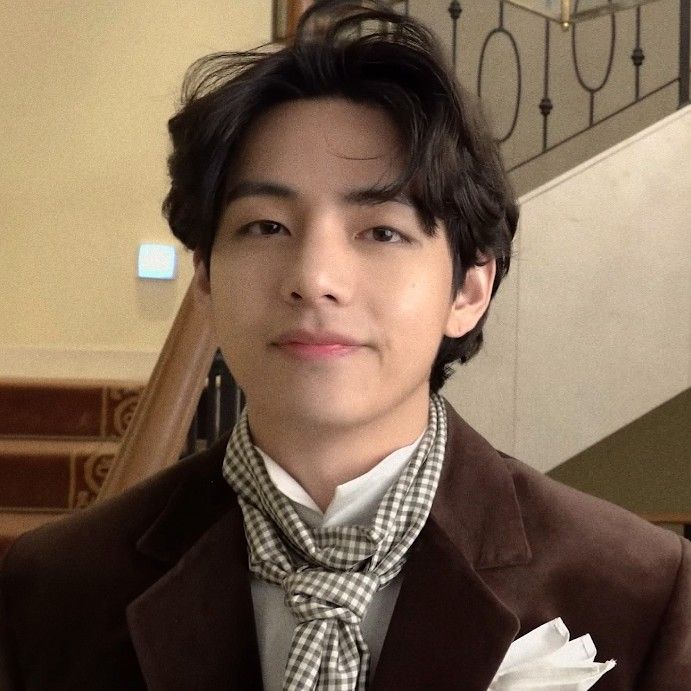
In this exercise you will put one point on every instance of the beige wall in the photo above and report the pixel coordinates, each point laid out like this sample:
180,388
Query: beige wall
87,88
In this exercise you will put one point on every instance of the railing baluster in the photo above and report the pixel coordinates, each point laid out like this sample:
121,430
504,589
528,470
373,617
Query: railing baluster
455,10
638,56
546,102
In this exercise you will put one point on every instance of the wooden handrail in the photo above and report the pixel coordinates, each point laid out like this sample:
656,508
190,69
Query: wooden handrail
158,430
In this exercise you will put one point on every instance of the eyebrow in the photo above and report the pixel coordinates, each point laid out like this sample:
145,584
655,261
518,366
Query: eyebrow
366,196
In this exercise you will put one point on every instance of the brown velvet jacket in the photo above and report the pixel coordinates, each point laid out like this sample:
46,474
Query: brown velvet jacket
151,589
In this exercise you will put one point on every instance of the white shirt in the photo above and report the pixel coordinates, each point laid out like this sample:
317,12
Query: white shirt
354,502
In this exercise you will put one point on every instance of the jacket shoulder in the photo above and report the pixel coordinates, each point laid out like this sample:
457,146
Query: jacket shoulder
64,588
552,508
592,548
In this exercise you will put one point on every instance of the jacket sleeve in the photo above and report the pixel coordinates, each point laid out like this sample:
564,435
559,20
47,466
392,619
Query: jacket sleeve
668,664
9,675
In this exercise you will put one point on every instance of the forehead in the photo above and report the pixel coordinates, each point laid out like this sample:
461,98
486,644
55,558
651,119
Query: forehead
325,141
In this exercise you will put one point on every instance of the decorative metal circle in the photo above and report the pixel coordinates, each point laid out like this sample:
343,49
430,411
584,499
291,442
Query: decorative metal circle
610,61
514,46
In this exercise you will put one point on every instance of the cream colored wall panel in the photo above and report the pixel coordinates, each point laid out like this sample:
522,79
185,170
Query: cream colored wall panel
604,319
482,391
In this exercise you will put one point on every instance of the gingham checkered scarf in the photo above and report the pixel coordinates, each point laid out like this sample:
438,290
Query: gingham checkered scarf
329,575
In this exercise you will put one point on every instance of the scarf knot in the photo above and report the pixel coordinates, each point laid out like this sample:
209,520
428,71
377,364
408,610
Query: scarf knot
315,593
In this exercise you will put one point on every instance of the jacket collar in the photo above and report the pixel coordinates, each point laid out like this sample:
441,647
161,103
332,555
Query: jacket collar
476,504
194,628
448,629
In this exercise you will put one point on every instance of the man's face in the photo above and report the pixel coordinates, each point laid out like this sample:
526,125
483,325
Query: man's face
299,248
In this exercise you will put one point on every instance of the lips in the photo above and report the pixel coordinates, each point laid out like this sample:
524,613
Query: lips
326,338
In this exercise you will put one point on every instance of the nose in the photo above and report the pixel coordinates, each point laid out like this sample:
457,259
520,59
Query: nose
319,268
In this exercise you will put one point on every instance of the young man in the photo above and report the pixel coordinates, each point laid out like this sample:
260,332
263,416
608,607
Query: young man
351,222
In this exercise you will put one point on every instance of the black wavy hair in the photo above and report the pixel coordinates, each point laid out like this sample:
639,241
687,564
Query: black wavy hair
370,54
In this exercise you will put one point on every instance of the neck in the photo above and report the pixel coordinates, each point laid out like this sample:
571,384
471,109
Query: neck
321,456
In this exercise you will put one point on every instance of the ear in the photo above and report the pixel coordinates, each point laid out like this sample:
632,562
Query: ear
201,275
472,299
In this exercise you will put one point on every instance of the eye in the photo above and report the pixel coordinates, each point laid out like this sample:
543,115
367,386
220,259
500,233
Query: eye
386,235
262,227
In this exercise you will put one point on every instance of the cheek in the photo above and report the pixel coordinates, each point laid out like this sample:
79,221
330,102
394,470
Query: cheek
414,311
245,271
233,290
233,269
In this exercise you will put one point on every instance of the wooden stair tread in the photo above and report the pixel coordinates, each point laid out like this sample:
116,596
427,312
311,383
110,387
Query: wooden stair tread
52,474
66,408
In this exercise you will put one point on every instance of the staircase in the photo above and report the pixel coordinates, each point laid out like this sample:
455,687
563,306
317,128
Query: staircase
57,441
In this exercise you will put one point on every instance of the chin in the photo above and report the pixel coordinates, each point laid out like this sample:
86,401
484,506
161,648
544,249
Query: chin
334,407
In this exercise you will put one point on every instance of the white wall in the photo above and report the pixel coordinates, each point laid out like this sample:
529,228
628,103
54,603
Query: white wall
594,328
87,88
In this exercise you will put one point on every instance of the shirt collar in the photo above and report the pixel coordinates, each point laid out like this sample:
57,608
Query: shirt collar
355,501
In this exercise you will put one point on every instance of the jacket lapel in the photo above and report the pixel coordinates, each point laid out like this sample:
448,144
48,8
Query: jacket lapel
194,629
448,629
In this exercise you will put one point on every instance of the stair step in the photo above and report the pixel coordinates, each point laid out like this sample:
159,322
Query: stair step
66,408
52,475
58,439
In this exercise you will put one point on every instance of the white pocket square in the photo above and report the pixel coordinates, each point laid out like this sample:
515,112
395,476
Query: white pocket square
546,659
